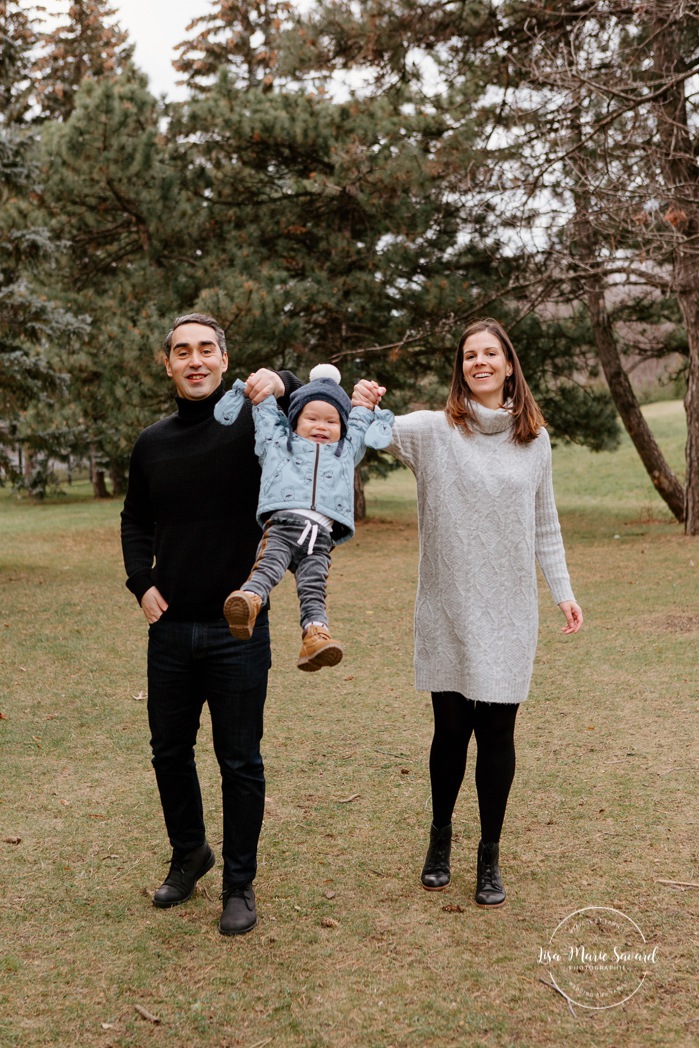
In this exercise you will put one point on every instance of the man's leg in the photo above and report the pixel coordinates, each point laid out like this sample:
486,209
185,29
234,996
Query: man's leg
235,684
174,708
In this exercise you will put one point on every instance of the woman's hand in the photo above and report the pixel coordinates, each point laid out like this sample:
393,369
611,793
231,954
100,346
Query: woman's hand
262,383
367,394
573,614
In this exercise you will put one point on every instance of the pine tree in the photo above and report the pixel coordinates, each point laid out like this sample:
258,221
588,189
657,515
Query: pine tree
30,323
18,41
109,197
86,44
240,38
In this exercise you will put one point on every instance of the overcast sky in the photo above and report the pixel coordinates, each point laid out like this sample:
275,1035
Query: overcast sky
155,26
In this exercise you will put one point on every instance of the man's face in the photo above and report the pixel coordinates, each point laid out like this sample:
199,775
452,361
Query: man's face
196,363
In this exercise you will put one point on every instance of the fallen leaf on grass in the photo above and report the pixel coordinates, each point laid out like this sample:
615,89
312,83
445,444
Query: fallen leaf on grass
139,697
145,1014
2,716
12,840
329,895
348,800
329,922
107,1026
453,907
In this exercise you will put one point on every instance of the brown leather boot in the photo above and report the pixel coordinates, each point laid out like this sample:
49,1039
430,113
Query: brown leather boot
318,649
241,608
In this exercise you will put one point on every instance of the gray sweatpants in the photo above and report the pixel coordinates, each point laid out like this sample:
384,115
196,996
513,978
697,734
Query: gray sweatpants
290,541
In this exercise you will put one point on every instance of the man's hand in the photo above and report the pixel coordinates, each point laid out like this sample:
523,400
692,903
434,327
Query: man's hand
153,604
367,394
573,614
262,383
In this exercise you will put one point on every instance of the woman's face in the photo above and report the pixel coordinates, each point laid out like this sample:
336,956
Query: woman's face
485,368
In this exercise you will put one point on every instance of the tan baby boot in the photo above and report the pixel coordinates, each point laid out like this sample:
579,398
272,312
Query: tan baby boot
318,649
241,608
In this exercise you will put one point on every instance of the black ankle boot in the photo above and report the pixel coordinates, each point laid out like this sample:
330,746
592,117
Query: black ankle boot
239,914
489,889
185,870
436,873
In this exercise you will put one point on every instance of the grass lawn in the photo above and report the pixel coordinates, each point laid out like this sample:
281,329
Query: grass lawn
349,950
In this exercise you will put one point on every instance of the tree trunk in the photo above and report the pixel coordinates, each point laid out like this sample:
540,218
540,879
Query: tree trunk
99,486
359,496
689,304
117,475
663,478
679,167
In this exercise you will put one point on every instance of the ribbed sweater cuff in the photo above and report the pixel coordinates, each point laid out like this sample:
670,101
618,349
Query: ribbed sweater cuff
139,583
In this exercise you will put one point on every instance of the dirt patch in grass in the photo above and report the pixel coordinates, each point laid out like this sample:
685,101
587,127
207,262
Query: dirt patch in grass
687,623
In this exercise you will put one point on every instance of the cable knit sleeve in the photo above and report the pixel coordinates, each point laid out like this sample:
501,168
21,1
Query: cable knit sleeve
550,552
409,432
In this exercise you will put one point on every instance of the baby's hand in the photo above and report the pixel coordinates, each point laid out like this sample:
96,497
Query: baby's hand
263,383
367,394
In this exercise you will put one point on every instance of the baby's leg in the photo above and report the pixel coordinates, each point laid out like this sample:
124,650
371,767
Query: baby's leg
274,553
311,582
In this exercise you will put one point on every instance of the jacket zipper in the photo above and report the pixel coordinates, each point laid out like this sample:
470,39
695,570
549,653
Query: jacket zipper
315,478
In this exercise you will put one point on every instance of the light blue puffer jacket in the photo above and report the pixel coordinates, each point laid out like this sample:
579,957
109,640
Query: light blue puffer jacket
309,475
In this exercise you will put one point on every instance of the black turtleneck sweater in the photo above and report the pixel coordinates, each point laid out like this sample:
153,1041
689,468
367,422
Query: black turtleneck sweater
190,507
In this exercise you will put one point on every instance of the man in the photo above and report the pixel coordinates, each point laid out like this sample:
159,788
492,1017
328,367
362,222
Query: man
189,536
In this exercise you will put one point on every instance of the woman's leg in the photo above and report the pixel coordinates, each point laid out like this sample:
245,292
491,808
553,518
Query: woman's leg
453,725
494,727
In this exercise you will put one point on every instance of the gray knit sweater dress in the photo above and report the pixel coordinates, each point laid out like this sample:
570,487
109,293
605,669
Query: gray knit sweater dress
486,514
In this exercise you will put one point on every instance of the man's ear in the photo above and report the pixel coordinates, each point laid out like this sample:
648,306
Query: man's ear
168,369
224,357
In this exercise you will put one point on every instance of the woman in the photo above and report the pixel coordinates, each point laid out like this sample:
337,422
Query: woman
486,514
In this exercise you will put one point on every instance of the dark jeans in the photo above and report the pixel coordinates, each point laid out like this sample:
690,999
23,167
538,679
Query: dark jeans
190,663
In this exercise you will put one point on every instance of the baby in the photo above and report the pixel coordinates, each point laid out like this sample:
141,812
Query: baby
306,504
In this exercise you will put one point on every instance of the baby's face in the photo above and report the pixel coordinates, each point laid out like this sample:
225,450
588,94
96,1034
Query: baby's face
320,422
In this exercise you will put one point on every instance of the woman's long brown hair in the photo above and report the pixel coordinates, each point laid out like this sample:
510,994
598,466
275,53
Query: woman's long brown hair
526,415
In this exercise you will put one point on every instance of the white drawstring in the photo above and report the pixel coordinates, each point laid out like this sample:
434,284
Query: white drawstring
313,528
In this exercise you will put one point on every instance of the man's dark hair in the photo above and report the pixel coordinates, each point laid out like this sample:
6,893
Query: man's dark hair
196,318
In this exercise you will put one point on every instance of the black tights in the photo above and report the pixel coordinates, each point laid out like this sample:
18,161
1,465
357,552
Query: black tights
455,719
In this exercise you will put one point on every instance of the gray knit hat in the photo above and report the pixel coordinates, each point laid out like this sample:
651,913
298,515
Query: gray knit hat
324,385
